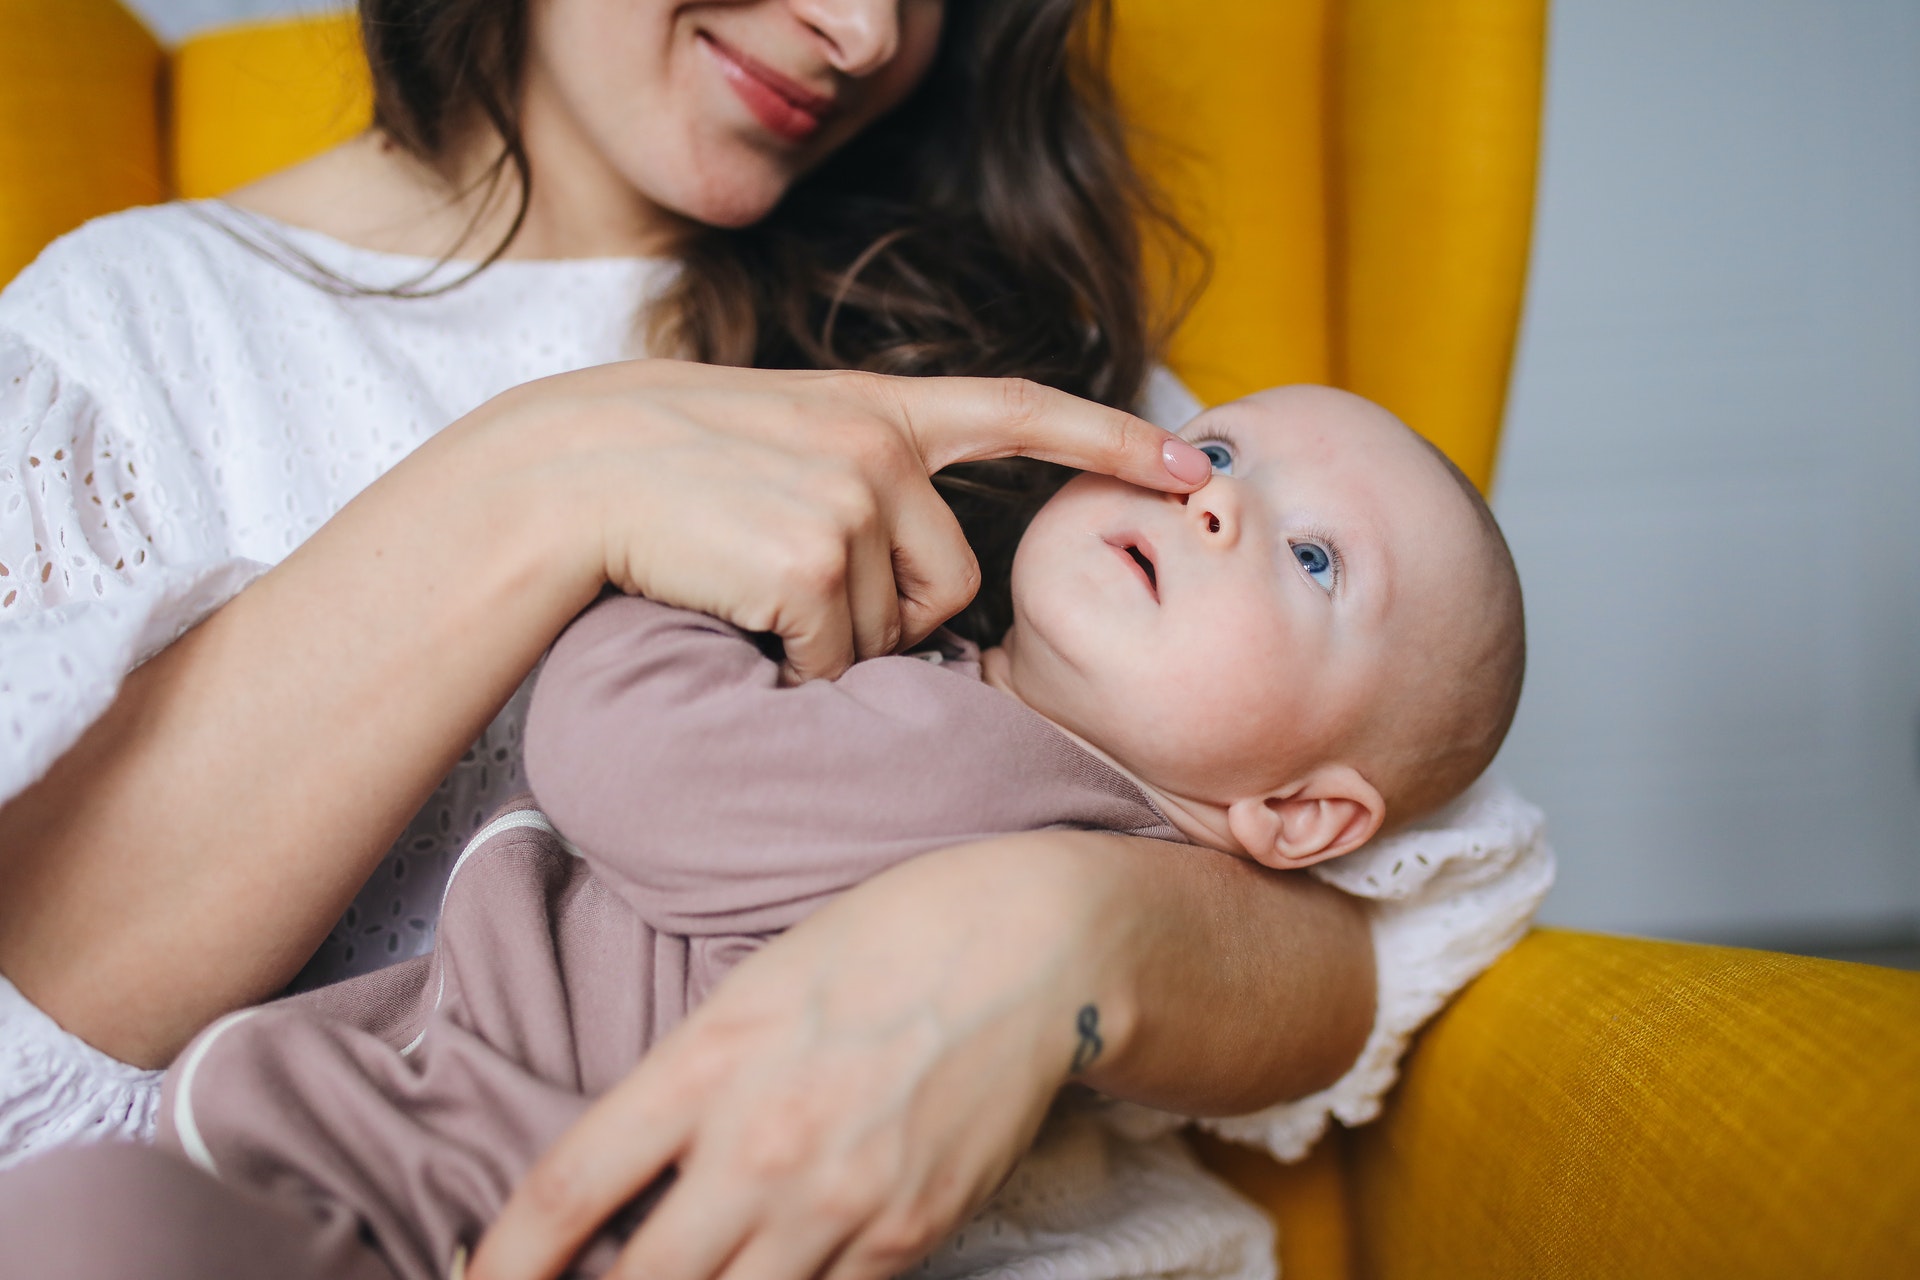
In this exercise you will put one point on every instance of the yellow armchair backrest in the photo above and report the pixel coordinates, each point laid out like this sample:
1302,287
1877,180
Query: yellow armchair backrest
249,100
79,120
1363,172
1362,169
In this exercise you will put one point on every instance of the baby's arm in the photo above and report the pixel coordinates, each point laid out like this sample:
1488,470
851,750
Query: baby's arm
661,743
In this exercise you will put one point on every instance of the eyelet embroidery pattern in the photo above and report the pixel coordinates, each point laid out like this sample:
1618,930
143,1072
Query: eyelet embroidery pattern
178,413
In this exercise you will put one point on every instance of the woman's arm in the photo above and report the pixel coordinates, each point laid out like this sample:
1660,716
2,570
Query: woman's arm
191,851
857,1089
1236,987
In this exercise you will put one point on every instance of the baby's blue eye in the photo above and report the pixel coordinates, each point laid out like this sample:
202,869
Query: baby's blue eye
1219,455
1317,561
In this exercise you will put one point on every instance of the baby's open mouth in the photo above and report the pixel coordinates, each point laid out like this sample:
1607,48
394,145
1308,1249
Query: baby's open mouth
1146,565
1140,551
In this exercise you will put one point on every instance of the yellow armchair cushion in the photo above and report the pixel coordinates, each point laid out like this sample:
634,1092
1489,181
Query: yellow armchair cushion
1615,1107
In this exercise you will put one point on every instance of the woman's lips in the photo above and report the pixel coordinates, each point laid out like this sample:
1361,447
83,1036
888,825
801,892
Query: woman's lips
789,110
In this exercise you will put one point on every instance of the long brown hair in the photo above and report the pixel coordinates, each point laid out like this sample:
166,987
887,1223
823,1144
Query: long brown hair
991,225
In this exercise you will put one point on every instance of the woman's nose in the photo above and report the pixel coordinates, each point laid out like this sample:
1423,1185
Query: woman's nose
861,35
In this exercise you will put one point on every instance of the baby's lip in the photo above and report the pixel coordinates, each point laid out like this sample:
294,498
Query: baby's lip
1138,552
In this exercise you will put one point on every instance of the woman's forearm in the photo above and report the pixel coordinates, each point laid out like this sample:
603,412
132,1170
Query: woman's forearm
189,853
1244,987
1174,976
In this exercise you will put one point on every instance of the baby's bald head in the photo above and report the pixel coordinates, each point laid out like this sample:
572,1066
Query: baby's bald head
1447,641
1440,721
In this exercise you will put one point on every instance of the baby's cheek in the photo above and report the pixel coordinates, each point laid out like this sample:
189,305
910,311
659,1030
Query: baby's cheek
1234,701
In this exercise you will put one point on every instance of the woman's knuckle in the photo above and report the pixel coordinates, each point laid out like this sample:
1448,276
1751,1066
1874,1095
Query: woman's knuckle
813,562
873,450
896,1240
954,594
845,1198
772,1154
1020,402
969,576
853,502
553,1191
680,1092
858,384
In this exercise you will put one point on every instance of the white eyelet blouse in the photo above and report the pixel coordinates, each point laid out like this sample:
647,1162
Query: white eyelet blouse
178,412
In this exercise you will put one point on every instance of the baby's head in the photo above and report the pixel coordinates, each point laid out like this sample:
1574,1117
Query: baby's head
1324,640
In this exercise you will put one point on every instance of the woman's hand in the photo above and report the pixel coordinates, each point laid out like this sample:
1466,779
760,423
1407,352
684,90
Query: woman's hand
799,503
846,1097
855,1091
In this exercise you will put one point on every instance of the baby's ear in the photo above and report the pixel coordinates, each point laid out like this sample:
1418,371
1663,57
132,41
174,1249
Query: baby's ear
1330,812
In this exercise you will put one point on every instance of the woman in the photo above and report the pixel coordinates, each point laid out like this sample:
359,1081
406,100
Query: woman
312,393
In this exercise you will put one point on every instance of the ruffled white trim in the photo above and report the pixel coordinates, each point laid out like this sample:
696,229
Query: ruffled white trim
57,1090
1449,896
1478,839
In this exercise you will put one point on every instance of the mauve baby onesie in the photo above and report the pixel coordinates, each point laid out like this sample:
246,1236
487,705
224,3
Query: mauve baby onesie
688,808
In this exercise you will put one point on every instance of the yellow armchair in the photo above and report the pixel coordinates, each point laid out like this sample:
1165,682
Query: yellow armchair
1363,170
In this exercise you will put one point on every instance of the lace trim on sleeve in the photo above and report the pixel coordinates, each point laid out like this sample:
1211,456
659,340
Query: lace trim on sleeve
56,1089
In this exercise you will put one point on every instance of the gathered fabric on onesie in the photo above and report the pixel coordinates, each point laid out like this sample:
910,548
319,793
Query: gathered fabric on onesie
178,413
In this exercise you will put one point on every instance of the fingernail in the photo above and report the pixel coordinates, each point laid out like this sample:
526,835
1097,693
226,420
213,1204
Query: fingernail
1184,462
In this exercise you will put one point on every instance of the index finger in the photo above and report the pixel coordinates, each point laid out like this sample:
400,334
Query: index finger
951,420
615,1149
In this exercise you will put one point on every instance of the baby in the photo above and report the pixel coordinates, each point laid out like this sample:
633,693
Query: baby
1323,641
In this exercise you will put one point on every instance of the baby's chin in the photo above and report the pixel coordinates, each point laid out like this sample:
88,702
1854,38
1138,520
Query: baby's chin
1198,765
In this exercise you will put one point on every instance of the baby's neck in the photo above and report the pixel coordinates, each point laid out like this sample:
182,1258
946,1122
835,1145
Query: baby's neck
1203,823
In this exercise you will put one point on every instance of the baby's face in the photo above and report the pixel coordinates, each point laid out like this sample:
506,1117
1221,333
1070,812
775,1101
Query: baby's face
1214,642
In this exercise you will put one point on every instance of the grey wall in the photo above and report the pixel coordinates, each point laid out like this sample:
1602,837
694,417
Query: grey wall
172,19
1712,469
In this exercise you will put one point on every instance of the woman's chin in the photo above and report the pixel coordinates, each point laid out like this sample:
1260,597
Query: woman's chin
730,200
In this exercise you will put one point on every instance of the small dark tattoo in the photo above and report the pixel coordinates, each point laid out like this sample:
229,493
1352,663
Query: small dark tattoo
1088,1025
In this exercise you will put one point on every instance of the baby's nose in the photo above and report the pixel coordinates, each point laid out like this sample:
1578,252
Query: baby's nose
1214,511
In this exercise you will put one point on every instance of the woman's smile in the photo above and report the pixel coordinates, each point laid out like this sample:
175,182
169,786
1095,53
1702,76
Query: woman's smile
787,108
